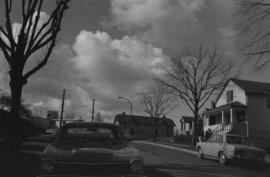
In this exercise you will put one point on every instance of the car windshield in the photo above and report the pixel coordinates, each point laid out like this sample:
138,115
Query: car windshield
80,137
238,140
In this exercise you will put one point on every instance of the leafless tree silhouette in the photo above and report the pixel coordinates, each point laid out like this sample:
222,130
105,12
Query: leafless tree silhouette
253,27
194,76
157,101
19,42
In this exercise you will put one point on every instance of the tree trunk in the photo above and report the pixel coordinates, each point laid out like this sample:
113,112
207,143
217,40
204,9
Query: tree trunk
16,93
195,127
15,137
155,130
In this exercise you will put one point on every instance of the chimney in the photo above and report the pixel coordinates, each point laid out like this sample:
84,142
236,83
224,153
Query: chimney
163,116
124,113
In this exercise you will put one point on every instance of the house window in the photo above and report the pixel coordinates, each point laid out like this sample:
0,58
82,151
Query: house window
268,103
229,95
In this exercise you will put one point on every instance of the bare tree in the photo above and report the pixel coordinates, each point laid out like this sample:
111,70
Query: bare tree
99,118
33,35
253,27
157,101
194,76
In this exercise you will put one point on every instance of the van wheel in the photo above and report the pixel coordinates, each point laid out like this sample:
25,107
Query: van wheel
222,158
200,153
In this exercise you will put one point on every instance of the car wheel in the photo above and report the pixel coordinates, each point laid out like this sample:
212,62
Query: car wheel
200,153
222,158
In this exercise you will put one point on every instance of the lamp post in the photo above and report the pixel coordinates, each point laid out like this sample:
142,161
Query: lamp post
130,104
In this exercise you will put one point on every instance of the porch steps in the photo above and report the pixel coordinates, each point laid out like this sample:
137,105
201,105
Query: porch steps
223,129
233,128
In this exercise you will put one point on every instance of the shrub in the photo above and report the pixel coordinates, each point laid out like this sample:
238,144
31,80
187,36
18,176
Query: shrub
182,139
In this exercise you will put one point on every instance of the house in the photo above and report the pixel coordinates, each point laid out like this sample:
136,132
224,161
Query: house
186,123
242,107
144,126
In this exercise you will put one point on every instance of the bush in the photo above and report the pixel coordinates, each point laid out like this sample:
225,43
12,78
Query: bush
183,139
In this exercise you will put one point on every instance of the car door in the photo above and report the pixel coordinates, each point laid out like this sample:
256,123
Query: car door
217,145
208,144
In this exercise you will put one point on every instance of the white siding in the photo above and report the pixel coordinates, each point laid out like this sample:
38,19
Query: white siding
238,95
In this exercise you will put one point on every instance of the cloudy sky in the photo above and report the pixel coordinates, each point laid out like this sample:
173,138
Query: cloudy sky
110,48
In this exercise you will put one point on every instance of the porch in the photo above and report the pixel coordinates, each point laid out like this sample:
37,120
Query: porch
229,118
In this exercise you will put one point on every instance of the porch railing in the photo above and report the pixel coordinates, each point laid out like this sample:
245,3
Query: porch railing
233,128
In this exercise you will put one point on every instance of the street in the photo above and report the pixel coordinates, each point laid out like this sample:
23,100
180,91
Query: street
163,162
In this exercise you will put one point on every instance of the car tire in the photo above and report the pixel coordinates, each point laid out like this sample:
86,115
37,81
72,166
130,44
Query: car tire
222,158
200,153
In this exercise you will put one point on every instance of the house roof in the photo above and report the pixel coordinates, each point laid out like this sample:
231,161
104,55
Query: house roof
252,86
187,119
143,120
235,104
248,86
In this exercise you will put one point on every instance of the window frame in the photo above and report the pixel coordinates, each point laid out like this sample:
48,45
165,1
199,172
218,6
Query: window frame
229,96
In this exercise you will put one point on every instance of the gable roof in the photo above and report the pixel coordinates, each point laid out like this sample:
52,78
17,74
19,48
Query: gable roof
187,119
124,118
253,86
248,87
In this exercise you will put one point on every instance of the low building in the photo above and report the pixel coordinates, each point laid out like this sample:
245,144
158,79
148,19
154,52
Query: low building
143,126
186,124
242,107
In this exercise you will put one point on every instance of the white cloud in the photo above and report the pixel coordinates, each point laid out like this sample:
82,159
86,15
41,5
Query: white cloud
115,66
16,27
171,24
141,13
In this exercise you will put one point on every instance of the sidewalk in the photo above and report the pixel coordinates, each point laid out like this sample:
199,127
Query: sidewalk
181,147
169,146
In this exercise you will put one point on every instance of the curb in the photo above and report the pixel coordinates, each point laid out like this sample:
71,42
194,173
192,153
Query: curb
168,147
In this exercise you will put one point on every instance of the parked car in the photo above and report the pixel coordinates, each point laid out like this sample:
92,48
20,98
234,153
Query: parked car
91,149
227,146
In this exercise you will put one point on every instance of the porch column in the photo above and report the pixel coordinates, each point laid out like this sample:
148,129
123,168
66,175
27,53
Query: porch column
222,117
231,115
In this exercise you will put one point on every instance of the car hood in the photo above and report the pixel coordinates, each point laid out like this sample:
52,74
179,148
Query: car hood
247,147
118,153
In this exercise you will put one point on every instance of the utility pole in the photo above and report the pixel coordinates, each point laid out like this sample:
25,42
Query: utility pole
93,110
62,108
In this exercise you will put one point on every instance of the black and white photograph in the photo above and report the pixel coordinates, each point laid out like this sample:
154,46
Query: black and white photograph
134,88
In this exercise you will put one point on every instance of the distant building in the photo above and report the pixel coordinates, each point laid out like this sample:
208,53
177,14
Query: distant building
186,124
242,107
144,126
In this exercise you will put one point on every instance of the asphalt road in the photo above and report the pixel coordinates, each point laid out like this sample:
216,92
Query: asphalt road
164,162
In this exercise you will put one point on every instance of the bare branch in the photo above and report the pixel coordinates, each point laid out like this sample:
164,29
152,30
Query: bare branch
156,101
253,28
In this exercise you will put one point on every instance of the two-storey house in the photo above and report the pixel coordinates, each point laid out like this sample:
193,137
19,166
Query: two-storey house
242,107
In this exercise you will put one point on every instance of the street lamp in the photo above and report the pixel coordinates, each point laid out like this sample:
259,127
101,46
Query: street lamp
125,98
